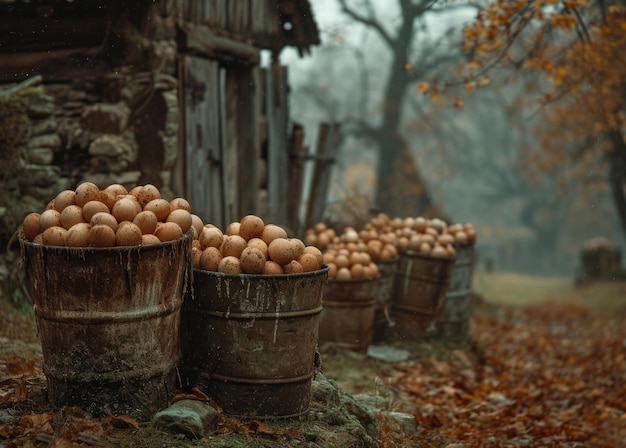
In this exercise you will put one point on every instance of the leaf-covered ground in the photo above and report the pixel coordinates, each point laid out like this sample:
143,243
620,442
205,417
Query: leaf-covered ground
551,374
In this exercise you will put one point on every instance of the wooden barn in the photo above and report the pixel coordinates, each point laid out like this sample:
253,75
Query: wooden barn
168,92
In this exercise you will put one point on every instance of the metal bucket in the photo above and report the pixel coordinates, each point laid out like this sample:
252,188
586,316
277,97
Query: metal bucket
382,319
453,320
419,292
348,315
108,321
249,341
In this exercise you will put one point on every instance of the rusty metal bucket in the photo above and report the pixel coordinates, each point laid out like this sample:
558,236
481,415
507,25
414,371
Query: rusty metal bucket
249,341
419,292
108,321
347,318
382,319
452,322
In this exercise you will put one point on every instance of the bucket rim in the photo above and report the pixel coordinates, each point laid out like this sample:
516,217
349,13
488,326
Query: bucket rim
323,269
412,254
392,261
112,249
353,281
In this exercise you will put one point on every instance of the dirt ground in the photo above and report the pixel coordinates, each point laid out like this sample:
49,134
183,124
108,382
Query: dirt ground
549,374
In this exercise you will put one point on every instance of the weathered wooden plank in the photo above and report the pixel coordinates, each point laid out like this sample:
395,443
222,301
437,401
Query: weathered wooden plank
230,137
296,177
201,40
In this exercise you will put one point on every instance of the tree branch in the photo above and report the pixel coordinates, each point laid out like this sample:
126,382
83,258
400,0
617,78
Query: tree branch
369,21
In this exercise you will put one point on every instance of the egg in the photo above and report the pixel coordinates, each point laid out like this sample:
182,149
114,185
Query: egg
210,259
210,237
342,261
420,224
294,267
101,235
374,271
332,270
445,239
461,237
272,232
104,218
232,228
128,235
357,271
160,207
298,247
78,235
259,244
168,231
54,236
181,217
30,226
229,265
147,239
343,274
124,209
72,214
272,268
132,198
63,199
323,240
197,223
233,245
281,251
49,218
180,203
311,239
251,226
93,207
38,239
85,192
425,249
107,197
117,189
50,205
328,257
146,221
309,262
196,254
439,252
252,260
316,253
450,251
146,194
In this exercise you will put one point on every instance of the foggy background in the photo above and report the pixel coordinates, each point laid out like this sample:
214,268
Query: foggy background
472,157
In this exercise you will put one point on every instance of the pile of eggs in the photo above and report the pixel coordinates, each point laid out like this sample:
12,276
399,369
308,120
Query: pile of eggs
113,216
252,247
320,236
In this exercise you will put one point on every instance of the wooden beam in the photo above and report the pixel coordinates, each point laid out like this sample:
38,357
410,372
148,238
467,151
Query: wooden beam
203,41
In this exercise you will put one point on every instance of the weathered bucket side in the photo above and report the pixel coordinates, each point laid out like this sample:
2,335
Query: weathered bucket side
108,321
453,321
382,312
419,292
347,317
250,341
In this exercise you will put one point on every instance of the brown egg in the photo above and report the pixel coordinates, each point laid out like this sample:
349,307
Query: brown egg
135,190
311,239
85,192
374,271
298,247
319,227
451,251
49,218
117,189
147,193
439,252
343,274
78,235
273,268
354,258
316,253
309,262
252,260
272,232
147,239
63,199
181,217
128,235
133,200
420,224
197,223
93,207
196,244
259,244
196,254
39,239
146,221
72,214
124,209
232,228
445,238
179,203
229,265
104,218
323,240
210,259
210,237
101,235
329,257
168,231
251,226
425,249
107,197
30,226
293,268
50,205
357,271
233,246
332,270
54,236
342,261
281,251
160,207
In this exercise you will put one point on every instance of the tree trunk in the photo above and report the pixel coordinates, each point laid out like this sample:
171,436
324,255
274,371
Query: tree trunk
617,176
